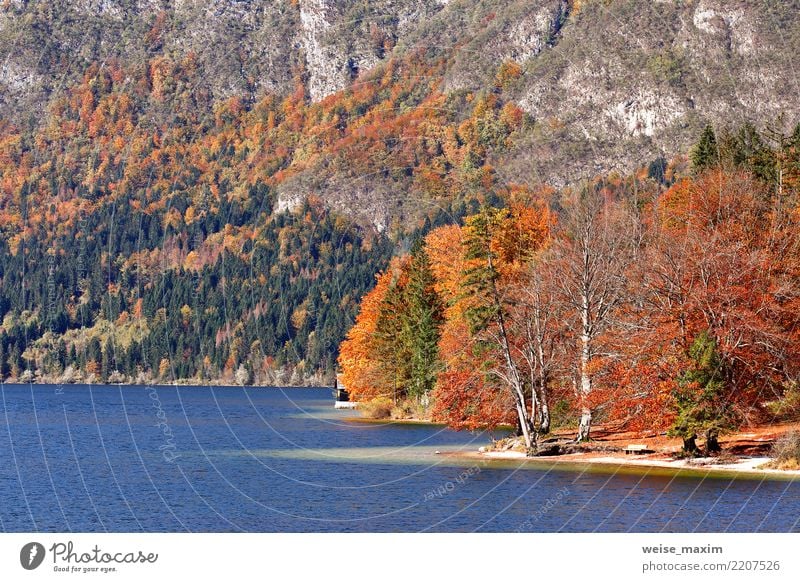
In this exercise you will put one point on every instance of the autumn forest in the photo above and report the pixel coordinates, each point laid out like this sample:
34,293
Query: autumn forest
129,214
667,300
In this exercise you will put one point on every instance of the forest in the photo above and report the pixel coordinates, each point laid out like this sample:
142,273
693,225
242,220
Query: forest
667,300
146,233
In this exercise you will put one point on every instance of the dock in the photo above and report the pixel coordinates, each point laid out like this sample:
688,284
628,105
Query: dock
341,396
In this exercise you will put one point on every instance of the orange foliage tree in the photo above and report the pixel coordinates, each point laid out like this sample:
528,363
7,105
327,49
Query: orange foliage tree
363,370
721,263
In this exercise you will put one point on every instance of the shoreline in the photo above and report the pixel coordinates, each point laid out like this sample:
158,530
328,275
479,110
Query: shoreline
210,384
415,422
743,467
388,421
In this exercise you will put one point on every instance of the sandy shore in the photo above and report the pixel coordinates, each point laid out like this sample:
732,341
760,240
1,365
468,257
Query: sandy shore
747,465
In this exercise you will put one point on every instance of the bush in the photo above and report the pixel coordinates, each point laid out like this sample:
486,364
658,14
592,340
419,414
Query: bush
411,408
786,452
377,408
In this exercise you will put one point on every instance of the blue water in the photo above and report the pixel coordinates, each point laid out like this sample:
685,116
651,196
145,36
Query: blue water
133,458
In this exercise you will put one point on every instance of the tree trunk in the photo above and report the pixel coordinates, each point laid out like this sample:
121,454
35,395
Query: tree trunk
540,389
585,425
524,426
541,379
690,445
586,385
712,444
544,417
535,413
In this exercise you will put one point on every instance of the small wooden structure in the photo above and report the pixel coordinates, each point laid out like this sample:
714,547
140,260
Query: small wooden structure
341,396
636,450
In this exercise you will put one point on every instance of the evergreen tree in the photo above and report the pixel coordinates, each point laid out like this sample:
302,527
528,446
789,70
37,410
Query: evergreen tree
3,364
700,398
93,353
106,366
391,341
15,362
481,280
422,318
745,149
61,353
706,153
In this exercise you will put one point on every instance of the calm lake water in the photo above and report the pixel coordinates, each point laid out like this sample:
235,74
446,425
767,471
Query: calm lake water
136,458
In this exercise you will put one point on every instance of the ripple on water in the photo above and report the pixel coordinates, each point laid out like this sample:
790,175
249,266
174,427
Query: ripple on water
254,459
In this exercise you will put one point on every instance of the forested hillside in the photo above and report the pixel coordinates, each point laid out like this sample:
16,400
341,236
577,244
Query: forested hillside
143,217
204,190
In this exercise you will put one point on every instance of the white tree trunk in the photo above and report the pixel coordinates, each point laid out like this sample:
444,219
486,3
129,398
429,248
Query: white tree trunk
544,416
525,427
585,375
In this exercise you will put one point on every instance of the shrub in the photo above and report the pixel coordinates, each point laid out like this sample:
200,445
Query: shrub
377,408
786,452
411,408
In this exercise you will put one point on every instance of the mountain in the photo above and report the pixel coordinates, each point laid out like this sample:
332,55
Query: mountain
609,77
190,188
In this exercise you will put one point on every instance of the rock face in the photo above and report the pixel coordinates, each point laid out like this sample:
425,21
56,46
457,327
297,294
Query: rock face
341,39
628,81
609,84
325,66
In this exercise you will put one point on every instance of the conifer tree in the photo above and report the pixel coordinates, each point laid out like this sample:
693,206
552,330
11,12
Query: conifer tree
706,153
391,343
700,397
422,318
107,361
3,365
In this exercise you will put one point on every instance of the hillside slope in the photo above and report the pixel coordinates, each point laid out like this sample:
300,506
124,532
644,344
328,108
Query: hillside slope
609,82
149,151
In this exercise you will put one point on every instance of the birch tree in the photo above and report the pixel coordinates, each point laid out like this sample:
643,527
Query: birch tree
541,342
591,255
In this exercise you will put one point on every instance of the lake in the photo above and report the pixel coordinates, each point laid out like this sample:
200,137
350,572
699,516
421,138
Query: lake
164,459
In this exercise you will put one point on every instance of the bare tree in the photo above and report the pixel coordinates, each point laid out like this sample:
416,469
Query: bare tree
540,316
591,255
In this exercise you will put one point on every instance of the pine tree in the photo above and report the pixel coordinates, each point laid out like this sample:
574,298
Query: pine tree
700,398
422,319
706,153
